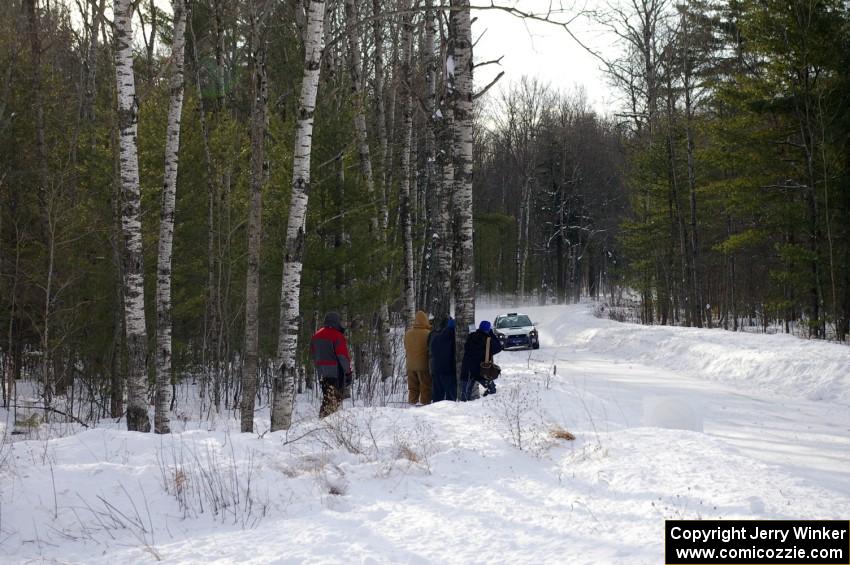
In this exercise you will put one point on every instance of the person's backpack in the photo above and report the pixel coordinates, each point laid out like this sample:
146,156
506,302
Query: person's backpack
489,370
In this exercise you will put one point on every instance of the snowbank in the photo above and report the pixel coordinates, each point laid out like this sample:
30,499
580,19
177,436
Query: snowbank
780,364
489,481
773,364
439,484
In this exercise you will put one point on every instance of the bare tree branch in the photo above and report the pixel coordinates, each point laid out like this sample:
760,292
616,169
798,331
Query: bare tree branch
486,88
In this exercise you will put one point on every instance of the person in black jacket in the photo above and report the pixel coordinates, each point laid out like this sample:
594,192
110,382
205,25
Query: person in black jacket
441,347
473,354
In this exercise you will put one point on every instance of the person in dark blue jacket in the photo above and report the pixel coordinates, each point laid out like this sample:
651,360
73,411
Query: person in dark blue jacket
473,354
441,348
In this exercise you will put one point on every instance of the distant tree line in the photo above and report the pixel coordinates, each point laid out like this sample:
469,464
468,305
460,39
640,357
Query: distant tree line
550,196
738,161
719,192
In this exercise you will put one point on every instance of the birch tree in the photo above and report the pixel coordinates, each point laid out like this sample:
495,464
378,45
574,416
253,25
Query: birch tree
166,226
283,386
461,95
131,222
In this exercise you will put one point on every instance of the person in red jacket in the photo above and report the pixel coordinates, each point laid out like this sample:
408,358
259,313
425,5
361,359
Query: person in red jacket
330,355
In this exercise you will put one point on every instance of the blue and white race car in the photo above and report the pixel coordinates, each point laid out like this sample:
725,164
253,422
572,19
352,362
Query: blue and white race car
516,330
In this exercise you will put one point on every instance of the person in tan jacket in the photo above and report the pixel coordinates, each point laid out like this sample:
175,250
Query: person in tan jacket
416,351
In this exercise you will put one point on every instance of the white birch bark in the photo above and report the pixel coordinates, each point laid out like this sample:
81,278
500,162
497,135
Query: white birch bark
461,94
166,225
259,168
131,223
283,387
404,186
378,23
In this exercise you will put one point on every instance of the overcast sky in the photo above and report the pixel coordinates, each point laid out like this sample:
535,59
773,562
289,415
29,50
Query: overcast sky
544,50
535,48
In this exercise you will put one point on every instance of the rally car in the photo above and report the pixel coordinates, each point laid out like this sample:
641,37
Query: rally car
516,330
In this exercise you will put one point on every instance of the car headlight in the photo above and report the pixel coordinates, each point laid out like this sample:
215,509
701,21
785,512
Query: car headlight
533,332
500,335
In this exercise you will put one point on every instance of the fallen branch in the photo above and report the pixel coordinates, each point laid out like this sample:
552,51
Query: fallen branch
54,410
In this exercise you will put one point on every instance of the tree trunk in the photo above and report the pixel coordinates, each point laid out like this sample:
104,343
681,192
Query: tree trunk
356,69
118,364
696,294
522,237
380,108
47,354
166,227
283,388
382,211
131,222
404,185
259,170
461,84
439,259
443,248
212,335
90,63
12,365
387,156
43,191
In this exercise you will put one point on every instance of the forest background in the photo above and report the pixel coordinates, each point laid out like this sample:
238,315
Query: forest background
716,193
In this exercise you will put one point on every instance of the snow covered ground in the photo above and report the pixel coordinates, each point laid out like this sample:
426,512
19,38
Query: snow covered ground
669,423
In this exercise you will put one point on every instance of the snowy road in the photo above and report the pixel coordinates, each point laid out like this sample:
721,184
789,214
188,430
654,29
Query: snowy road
669,423
813,437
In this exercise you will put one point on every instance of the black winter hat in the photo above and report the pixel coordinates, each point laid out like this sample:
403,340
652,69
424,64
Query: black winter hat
333,320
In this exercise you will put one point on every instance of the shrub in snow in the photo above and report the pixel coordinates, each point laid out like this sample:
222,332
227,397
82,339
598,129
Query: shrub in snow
516,413
105,518
415,445
353,430
203,480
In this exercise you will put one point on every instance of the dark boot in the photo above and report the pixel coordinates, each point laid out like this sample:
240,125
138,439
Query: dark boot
489,388
331,399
